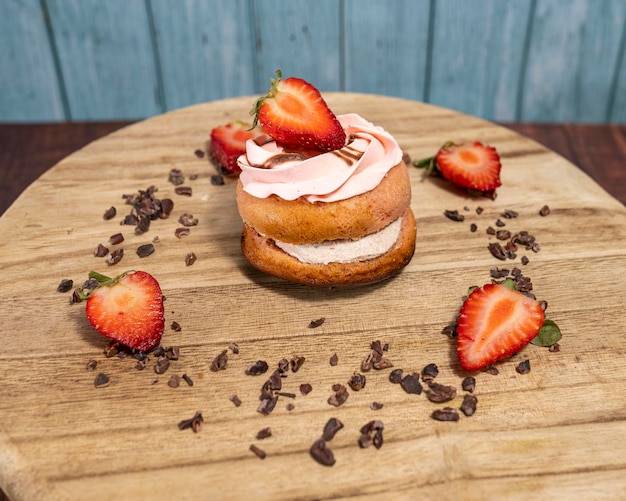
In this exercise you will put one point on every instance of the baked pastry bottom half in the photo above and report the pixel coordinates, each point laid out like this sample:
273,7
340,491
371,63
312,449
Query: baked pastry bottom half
262,253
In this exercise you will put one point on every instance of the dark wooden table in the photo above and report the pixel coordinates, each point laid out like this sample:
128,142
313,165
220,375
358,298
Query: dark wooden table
28,150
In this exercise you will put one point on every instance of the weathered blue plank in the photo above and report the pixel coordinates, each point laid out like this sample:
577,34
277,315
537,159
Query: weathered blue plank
206,50
30,90
476,56
301,38
106,57
533,60
617,110
572,59
386,47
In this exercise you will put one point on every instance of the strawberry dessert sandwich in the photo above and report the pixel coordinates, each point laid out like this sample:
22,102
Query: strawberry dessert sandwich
325,199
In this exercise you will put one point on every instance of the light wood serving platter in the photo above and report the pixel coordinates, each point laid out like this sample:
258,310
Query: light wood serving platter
558,432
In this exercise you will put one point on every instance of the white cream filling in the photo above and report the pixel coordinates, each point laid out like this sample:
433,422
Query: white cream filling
345,251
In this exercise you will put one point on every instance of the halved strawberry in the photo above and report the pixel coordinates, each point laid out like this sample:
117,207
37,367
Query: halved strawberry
228,142
128,309
469,165
495,322
294,114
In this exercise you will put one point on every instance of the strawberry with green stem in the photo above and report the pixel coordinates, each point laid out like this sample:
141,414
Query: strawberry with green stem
294,114
128,309
495,322
473,166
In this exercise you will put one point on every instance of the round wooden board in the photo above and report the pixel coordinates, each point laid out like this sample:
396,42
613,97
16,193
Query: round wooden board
552,433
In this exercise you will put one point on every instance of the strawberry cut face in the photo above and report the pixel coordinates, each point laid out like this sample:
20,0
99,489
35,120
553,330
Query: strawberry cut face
129,310
295,115
494,323
470,165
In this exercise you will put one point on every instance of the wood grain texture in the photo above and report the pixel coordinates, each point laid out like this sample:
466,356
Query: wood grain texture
477,56
198,44
570,70
548,434
374,31
107,58
28,79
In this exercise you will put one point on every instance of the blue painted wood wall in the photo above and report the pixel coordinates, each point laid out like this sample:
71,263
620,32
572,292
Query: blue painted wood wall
524,60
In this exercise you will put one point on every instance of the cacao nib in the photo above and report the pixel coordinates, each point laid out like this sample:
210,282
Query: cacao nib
195,423
91,365
497,251
174,381
190,258
509,214
188,220
469,384
176,327
235,400
429,372
523,367
183,190
167,206
217,180
145,250
264,433
109,213
316,323
176,177
545,211
115,257
333,425
181,232
440,393
258,451
334,360
339,397
445,414
411,384
220,362
187,380
257,368
161,365
101,251
454,215
376,406
296,363
372,433
305,388
357,382
468,407
101,381
267,405
116,239
65,285
395,376
322,453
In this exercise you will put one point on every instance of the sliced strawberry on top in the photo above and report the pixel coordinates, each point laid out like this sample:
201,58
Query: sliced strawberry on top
495,322
470,165
294,114
128,309
228,142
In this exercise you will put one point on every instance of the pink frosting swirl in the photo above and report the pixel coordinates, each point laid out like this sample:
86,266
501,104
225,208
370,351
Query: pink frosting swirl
357,168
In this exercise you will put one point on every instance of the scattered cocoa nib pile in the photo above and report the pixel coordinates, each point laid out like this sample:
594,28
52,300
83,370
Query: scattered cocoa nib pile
371,433
160,359
509,243
145,209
